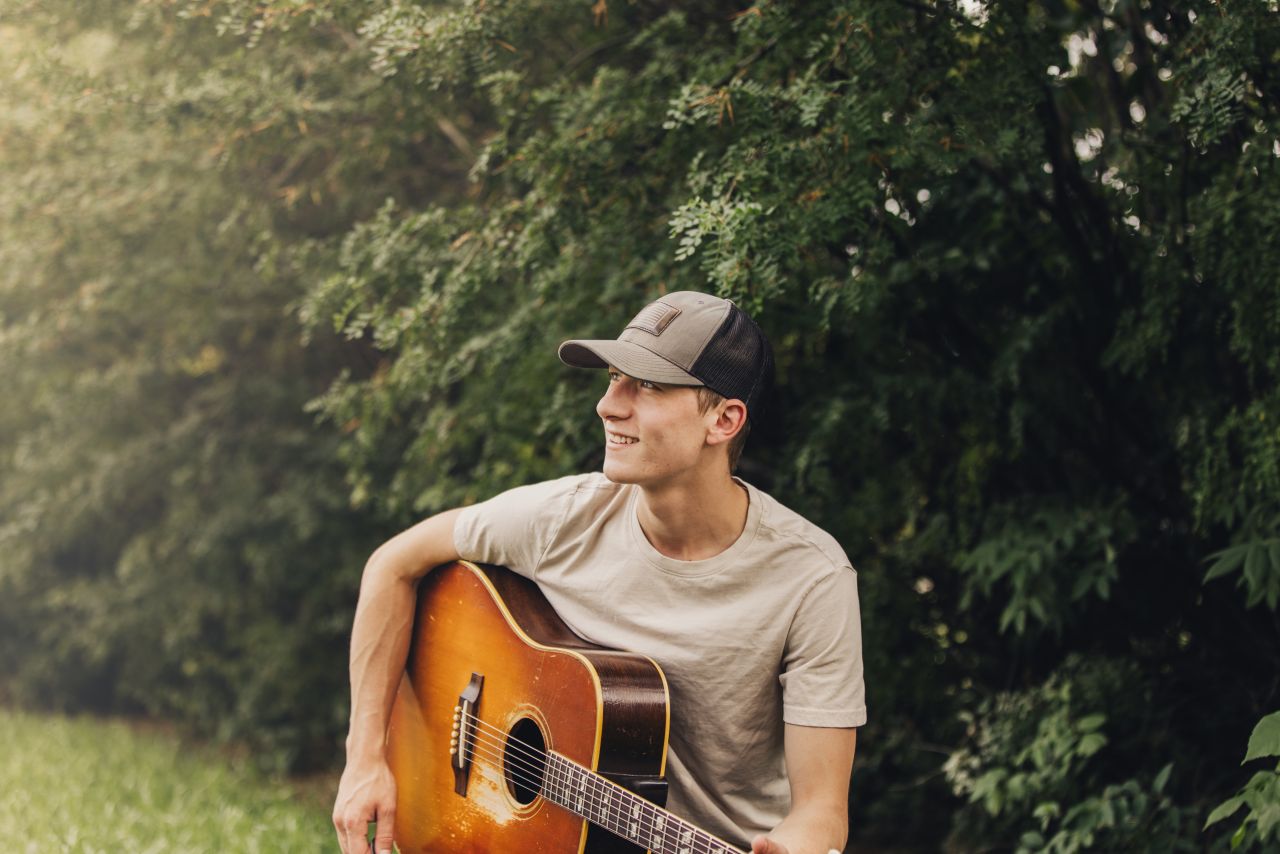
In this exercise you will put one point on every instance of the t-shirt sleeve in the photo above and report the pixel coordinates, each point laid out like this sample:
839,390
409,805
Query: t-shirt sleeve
514,528
822,667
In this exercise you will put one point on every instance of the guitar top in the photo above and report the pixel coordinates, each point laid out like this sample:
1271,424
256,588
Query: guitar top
512,735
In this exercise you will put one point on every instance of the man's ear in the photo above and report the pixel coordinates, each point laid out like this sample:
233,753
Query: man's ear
730,419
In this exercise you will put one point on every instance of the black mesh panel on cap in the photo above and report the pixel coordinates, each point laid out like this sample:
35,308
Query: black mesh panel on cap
737,362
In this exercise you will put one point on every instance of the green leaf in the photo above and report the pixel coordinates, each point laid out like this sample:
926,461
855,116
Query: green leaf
1046,811
1265,740
1091,744
1267,817
1228,560
1032,841
1238,837
1223,810
1255,567
1091,723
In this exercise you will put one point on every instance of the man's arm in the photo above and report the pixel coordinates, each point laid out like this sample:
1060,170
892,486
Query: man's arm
379,647
819,762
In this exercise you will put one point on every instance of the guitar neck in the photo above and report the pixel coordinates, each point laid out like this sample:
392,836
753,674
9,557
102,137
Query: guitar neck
606,804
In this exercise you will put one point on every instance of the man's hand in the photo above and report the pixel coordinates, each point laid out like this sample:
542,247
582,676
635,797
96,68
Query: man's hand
366,794
765,845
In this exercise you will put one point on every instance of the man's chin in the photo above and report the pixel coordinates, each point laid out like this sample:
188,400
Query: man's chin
618,474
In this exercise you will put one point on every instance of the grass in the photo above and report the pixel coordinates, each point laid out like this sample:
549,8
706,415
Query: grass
81,785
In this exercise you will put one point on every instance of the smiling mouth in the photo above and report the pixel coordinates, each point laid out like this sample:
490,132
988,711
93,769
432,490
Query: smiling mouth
615,439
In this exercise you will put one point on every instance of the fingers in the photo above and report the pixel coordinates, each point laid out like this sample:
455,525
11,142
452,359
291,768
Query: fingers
366,794
348,840
382,842
353,832
765,845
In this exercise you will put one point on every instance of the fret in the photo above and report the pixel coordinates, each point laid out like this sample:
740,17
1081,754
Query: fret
579,785
600,796
633,820
558,791
592,797
622,812
611,798
549,781
684,838
659,829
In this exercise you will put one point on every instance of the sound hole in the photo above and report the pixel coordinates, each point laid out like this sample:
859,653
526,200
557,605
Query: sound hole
524,761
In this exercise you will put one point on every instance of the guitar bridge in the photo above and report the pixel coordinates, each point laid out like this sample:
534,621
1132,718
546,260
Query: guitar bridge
462,742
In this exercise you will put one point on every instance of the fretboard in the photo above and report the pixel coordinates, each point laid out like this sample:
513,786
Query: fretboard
606,804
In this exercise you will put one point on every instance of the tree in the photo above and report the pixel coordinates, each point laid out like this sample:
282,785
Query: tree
1017,261
177,535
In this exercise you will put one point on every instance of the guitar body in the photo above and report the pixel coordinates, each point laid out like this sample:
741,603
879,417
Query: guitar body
602,709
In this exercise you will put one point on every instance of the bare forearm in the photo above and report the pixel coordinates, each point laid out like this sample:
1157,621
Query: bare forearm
379,645
819,761
384,624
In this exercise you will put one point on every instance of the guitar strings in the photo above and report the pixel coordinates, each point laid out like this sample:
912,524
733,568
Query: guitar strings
489,747
701,841
531,758
696,844
648,809
617,826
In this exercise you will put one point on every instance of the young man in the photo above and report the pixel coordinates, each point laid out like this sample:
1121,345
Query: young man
751,611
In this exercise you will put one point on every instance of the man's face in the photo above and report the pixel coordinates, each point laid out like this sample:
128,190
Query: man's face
654,433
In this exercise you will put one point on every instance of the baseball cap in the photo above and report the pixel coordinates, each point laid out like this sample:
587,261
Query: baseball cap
687,338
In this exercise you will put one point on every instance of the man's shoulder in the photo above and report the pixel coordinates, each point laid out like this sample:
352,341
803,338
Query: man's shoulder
566,487
516,527
575,491
588,486
788,529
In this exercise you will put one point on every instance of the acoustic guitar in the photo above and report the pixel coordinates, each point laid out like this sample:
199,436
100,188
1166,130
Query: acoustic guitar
511,735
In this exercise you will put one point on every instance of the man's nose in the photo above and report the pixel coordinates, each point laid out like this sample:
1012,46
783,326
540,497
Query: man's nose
613,404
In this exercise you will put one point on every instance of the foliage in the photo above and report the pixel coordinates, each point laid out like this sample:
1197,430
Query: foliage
1017,261
1028,773
176,535
90,786
1261,794
1017,264
1258,561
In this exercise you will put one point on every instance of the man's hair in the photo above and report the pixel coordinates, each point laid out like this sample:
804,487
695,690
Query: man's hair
708,400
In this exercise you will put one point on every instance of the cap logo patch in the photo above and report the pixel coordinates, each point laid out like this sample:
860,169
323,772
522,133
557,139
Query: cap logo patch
654,318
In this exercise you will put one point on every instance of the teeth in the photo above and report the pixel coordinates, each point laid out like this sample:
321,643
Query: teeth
622,440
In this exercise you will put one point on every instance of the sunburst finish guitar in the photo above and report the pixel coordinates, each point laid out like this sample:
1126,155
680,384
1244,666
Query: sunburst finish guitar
511,735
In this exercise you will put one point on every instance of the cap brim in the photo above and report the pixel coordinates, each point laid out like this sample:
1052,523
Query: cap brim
630,358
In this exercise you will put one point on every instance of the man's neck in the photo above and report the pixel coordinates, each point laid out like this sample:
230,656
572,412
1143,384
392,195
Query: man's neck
694,520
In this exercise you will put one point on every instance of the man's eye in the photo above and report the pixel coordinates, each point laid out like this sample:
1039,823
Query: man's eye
648,384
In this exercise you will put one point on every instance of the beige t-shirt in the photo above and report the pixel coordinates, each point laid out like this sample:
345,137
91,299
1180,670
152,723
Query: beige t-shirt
766,632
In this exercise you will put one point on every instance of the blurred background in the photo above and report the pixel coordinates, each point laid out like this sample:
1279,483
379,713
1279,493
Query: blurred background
279,278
